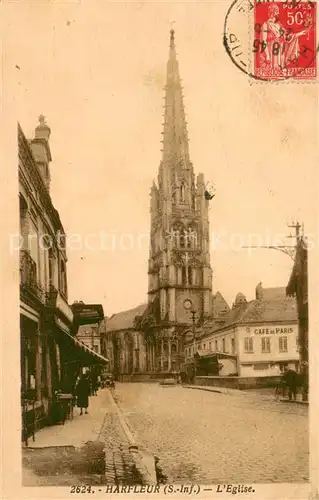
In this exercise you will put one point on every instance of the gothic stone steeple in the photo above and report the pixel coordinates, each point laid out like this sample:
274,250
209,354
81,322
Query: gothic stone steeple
179,262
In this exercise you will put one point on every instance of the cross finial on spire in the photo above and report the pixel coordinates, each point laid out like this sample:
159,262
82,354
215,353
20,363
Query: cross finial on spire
172,31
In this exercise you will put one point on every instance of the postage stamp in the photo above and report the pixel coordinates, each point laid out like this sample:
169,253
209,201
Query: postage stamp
273,40
284,43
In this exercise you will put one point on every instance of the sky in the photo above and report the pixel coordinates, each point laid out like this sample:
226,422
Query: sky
96,70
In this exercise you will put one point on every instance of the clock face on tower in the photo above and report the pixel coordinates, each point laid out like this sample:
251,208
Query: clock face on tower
185,303
188,304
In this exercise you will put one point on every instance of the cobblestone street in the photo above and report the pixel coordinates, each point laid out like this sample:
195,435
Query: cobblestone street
60,457
207,437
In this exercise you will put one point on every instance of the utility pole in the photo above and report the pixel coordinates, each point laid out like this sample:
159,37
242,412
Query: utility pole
188,305
302,329
194,340
302,309
297,227
289,250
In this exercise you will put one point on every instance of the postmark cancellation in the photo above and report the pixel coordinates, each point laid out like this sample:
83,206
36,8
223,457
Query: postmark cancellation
273,40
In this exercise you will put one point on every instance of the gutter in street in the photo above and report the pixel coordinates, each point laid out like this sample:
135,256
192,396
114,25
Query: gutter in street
144,461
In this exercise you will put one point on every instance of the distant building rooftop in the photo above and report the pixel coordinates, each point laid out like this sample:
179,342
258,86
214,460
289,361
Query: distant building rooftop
124,320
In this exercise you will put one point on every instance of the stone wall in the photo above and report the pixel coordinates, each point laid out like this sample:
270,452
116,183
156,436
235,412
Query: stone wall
240,383
145,377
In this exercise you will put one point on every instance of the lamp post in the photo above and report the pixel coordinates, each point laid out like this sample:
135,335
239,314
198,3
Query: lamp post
188,306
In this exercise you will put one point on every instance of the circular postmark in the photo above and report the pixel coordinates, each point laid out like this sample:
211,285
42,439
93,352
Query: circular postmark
272,40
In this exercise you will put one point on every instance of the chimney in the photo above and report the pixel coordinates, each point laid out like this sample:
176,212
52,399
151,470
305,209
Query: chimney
41,150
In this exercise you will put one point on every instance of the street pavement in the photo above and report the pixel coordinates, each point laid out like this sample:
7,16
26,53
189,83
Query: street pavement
208,438
73,454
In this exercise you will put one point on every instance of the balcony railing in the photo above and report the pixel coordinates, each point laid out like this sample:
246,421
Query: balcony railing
28,274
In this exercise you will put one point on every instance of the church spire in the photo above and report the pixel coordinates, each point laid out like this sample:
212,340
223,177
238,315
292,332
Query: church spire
175,139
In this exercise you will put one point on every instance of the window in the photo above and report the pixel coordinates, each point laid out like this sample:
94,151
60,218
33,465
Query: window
51,267
204,347
189,237
248,344
233,346
224,345
265,344
216,345
183,275
182,239
182,193
210,345
190,276
63,286
283,344
174,196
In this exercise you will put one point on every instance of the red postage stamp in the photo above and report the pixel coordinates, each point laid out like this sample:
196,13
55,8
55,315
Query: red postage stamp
284,44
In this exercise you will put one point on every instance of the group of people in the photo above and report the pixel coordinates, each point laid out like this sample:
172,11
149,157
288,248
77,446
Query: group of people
291,381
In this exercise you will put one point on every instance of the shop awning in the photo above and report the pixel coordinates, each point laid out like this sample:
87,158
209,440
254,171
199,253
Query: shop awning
86,355
214,354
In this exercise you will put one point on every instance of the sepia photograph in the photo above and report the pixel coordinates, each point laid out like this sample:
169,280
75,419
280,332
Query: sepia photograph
164,227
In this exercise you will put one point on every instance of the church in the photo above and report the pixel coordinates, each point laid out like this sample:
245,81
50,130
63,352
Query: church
150,339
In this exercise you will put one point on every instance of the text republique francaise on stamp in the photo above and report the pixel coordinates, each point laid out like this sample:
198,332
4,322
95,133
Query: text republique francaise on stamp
273,40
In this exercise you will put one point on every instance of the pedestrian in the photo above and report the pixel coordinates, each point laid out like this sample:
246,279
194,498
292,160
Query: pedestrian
82,393
94,384
277,391
290,378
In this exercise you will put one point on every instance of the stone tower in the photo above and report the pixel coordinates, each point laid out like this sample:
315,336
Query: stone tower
179,261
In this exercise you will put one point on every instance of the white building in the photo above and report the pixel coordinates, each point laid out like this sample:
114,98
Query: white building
90,336
258,337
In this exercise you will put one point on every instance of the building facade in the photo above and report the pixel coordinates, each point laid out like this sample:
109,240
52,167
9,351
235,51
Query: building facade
259,338
44,310
90,336
123,345
50,353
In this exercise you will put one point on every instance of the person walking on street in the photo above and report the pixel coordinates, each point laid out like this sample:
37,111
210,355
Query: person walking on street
82,393
290,378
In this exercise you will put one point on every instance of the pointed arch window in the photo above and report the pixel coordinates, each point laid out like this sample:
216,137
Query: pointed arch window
184,276
174,196
189,238
190,275
182,192
182,238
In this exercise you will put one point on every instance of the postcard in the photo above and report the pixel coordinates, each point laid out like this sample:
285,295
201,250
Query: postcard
160,239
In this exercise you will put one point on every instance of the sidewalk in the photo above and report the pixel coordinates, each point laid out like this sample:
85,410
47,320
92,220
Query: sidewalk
90,449
253,394
78,431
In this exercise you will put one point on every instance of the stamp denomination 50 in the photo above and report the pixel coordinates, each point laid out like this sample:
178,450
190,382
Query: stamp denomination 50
273,40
